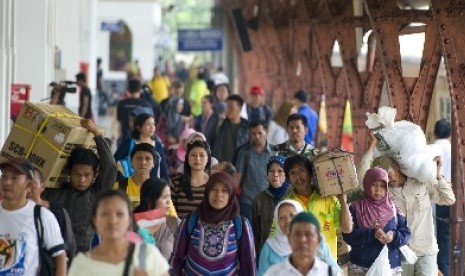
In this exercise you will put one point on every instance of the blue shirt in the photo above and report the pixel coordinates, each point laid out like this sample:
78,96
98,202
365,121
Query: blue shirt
312,122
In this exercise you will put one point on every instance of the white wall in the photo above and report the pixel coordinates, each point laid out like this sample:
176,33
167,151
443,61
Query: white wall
34,42
139,16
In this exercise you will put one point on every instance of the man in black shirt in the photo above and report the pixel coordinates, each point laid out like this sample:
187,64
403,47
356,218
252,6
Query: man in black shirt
85,97
126,106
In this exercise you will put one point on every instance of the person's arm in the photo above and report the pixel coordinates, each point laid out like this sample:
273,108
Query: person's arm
239,167
107,171
178,258
60,264
359,236
345,219
441,191
255,221
401,235
264,260
247,250
367,159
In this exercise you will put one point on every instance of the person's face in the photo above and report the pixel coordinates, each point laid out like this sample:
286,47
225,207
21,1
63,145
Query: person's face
258,135
147,129
112,219
396,178
256,99
303,239
222,93
142,162
233,110
198,158
156,72
178,91
206,105
378,190
14,185
218,196
276,175
285,214
296,131
36,187
300,178
81,176
164,201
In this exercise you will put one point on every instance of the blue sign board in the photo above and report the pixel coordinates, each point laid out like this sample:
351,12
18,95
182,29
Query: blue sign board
113,27
200,40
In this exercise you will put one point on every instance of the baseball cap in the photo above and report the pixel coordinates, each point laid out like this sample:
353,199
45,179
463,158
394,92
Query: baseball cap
256,90
21,164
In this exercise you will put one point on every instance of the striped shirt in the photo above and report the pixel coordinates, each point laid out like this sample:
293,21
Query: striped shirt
182,203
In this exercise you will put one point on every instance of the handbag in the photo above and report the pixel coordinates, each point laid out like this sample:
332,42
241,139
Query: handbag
46,261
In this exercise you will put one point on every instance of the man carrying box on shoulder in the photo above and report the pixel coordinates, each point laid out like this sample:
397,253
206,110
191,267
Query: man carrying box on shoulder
89,174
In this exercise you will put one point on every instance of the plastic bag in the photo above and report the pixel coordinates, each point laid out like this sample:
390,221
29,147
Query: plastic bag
381,266
405,142
408,256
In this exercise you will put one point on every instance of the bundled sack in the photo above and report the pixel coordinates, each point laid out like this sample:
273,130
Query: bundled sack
403,141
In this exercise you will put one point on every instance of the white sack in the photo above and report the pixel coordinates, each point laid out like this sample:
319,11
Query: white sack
405,142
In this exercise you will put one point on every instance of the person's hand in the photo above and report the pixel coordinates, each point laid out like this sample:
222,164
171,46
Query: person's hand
373,140
90,126
137,272
172,140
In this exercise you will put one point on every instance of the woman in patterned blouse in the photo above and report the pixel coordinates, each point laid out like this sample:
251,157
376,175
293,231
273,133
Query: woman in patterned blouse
215,240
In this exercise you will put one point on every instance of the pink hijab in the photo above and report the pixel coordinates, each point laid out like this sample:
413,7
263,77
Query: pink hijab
370,211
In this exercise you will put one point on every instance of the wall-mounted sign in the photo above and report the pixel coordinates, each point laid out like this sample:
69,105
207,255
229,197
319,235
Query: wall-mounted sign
113,27
200,40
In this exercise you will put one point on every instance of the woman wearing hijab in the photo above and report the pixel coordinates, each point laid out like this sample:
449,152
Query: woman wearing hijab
377,222
214,240
265,201
277,248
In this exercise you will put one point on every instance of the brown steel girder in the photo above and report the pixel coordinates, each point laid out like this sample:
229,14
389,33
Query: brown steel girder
450,19
411,97
363,89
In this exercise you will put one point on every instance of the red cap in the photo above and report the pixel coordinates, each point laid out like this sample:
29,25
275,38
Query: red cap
257,90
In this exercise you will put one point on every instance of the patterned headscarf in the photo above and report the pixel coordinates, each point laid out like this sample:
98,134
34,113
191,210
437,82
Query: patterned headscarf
209,214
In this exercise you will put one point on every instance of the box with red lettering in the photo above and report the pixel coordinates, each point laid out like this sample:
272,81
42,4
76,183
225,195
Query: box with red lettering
334,172
45,135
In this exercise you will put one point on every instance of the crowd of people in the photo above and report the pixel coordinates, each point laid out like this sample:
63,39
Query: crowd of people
210,184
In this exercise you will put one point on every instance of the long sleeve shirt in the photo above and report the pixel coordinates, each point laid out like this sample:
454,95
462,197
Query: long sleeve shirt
414,199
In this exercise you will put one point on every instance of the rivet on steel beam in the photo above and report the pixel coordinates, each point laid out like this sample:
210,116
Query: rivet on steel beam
463,142
457,97
455,85
449,55
461,124
459,107
452,70
439,11
446,41
443,26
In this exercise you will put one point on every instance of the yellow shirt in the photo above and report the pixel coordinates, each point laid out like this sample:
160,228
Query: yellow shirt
159,87
327,210
132,191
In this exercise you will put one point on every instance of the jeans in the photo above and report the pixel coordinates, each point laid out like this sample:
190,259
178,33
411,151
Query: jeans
443,236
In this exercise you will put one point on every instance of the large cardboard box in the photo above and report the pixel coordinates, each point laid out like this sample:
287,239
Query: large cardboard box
335,172
45,135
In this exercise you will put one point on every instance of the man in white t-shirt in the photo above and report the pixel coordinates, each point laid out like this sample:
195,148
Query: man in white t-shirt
19,254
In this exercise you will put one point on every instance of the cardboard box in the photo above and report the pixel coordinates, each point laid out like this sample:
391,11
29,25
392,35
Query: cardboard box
335,172
45,135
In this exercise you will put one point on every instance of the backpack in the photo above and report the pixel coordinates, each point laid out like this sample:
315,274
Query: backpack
46,260
65,228
193,218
